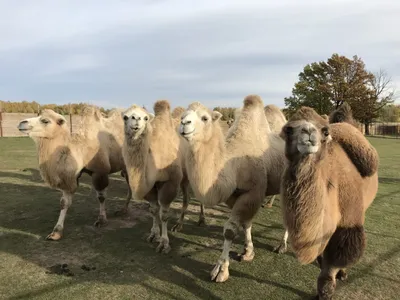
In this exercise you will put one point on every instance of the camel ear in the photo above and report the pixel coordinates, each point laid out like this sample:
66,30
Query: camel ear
151,117
216,115
60,121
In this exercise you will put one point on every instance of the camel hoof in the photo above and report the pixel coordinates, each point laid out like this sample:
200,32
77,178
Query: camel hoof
54,236
201,222
220,273
101,222
177,227
280,249
153,238
121,212
268,205
247,256
341,275
163,247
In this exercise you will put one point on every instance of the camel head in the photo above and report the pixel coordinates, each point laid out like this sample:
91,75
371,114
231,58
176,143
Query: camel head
48,124
306,133
198,122
136,120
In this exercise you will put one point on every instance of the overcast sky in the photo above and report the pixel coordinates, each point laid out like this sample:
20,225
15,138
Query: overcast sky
117,53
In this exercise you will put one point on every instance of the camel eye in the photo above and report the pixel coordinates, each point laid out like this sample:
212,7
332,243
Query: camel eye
289,130
204,118
146,118
325,131
45,121
126,118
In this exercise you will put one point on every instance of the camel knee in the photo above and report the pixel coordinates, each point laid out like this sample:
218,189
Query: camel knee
345,247
230,231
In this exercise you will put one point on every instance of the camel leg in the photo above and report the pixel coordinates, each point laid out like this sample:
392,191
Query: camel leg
155,212
248,253
282,247
124,210
65,203
327,282
100,184
341,274
166,194
270,201
243,211
202,216
185,203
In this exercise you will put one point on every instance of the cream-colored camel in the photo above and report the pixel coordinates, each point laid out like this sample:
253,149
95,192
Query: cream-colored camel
154,156
276,120
239,170
329,181
95,149
176,119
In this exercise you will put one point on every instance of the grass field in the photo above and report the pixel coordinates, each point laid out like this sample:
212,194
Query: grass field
124,266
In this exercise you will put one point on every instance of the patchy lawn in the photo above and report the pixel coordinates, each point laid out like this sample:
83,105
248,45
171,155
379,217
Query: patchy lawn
116,262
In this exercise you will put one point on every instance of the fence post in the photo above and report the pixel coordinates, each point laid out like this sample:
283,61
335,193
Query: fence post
1,120
70,119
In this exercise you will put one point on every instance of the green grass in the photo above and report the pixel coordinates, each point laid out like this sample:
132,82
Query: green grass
127,267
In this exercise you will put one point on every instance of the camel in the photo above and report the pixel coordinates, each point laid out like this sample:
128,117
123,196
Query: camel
176,119
95,149
153,152
330,180
239,169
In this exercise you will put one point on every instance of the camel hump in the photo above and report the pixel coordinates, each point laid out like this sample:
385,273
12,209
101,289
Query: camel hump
362,154
308,114
177,112
343,114
252,100
161,106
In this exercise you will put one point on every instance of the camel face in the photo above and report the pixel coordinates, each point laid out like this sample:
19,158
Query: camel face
136,120
197,124
47,125
304,137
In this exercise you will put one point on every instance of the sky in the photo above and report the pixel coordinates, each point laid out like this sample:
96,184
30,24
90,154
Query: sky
118,53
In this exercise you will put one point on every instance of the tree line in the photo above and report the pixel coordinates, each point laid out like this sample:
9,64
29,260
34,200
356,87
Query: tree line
35,107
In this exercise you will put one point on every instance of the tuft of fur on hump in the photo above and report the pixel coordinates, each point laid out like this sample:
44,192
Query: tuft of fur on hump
161,106
343,114
252,100
177,112
310,115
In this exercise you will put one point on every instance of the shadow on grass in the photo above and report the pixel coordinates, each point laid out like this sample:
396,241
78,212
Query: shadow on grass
114,249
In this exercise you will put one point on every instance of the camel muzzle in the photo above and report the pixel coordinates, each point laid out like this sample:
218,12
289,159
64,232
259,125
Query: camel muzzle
24,126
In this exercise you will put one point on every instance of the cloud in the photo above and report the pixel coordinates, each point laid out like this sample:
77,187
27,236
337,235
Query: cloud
214,52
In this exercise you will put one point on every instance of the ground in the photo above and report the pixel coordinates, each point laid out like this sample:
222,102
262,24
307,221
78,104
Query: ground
117,263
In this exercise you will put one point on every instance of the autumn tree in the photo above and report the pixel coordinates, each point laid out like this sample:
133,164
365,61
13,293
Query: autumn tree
324,86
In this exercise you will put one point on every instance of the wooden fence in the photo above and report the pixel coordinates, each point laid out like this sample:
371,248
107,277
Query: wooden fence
10,121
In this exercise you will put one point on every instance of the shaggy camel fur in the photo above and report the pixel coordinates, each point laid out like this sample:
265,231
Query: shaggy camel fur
329,181
240,169
95,149
154,156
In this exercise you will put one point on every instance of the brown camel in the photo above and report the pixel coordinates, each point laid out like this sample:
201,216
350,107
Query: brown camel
329,181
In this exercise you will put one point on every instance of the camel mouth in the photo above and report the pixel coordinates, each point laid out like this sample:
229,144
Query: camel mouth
186,134
135,128
307,148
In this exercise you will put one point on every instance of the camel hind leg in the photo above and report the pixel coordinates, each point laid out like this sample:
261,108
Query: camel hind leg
124,210
282,247
345,248
65,203
166,194
185,203
243,211
202,216
269,202
100,184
